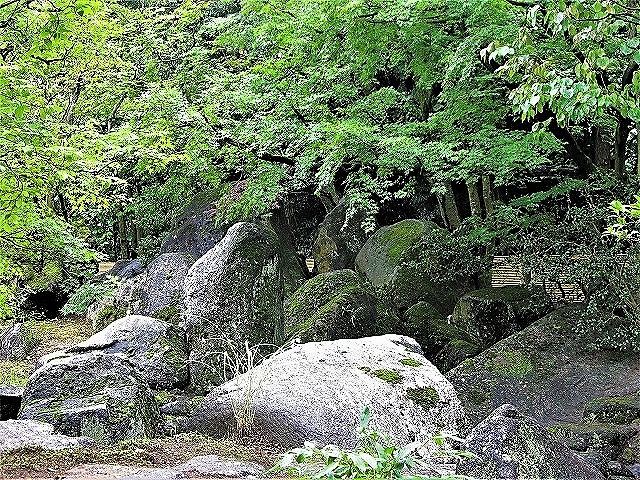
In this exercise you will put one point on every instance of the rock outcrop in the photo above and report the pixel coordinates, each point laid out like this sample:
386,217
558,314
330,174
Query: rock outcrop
317,392
15,434
235,294
159,290
490,314
155,348
384,250
511,446
547,371
92,394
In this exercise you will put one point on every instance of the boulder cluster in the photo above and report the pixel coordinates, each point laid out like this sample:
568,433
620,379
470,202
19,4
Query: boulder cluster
228,331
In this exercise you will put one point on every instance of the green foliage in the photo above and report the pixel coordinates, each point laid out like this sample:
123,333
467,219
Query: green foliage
376,457
87,294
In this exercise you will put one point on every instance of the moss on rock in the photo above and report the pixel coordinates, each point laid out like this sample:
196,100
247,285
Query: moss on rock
390,376
330,306
426,397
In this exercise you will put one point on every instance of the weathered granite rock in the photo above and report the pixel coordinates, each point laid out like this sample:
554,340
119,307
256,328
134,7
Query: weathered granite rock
15,434
12,344
331,306
509,445
235,294
91,394
547,360
317,392
157,349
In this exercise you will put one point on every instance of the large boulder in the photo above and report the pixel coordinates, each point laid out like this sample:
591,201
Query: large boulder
410,262
547,360
490,314
317,392
512,446
92,394
384,250
124,270
235,294
16,434
331,306
340,237
158,291
157,349
196,230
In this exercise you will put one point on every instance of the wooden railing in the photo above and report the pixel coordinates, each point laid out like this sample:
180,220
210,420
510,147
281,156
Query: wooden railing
507,271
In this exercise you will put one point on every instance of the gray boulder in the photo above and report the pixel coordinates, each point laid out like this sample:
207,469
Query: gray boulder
12,344
16,434
331,306
511,446
317,392
125,269
157,349
111,307
92,394
235,294
546,360
158,291
340,237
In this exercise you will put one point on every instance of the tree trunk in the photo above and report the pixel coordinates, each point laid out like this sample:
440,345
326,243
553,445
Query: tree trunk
450,207
474,197
622,132
601,149
487,195
122,234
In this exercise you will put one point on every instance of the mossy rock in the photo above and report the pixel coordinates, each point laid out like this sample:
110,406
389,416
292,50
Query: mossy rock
235,294
106,316
618,410
428,326
92,394
331,306
455,353
546,360
490,314
606,438
384,250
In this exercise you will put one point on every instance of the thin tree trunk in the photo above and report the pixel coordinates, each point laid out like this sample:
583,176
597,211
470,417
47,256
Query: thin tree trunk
487,195
122,234
622,132
474,197
450,207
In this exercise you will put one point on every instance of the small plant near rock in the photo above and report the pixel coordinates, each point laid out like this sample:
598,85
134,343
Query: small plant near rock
376,457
